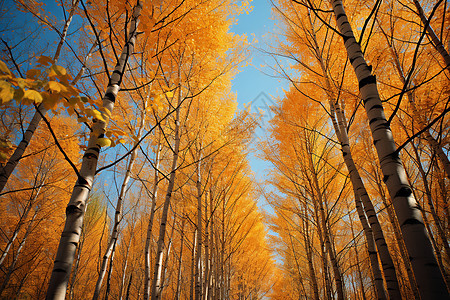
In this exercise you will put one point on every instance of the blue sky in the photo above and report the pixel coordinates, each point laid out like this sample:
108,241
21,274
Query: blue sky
253,83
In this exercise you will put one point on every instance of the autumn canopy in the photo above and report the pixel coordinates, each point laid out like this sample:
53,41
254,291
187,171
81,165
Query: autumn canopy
125,158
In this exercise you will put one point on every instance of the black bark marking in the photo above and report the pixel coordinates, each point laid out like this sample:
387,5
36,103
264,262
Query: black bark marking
82,181
340,16
368,80
375,120
377,106
411,221
110,96
405,191
73,209
90,155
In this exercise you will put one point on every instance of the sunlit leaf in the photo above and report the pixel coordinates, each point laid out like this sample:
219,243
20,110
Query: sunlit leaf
56,71
56,87
104,142
33,96
6,91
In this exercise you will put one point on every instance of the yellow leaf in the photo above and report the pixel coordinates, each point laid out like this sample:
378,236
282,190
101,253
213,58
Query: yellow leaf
56,71
55,86
33,96
107,111
59,70
95,114
104,142
73,100
18,94
4,68
169,94
6,92
98,115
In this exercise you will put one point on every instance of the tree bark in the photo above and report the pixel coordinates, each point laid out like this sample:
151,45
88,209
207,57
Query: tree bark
150,224
429,278
180,263
198,257
373,232
76,208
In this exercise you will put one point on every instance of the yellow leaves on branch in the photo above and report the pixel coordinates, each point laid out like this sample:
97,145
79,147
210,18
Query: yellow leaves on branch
36,88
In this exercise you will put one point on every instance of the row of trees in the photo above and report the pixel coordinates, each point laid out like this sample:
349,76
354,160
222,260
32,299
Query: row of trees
361,211
136,97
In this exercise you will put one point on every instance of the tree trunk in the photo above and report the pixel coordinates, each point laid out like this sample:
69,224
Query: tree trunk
198,256
398,238
12,267
150,224
76,208
180,263
373,232
429,278
166,261
318,202
156,282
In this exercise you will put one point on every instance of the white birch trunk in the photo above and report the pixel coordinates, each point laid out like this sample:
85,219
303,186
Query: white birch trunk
76,208
180,263
429,278
198,257
375,231
150,224
12,267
